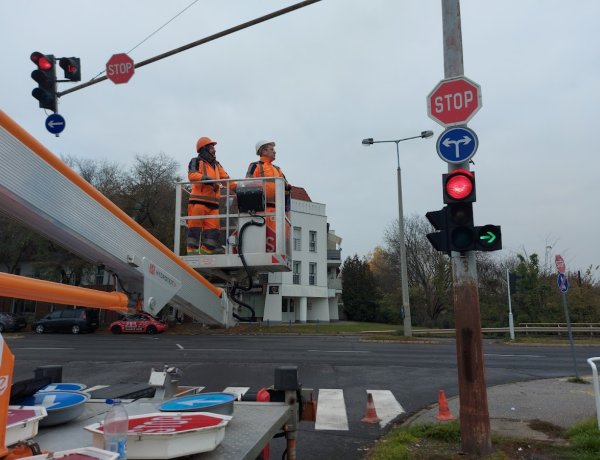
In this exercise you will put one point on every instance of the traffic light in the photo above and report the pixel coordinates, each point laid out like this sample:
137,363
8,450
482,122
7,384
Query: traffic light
488,238
72,68
439,239
45,76
459,195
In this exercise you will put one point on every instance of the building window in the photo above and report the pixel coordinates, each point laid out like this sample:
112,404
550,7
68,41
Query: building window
297,239
312,241
297,270
312,273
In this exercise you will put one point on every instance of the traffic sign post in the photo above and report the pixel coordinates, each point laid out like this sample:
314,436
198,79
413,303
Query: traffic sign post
120,68
55,123
457,145
563,284
454,101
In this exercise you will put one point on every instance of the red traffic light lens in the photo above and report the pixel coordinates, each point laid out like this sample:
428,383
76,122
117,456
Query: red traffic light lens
41,61
459,185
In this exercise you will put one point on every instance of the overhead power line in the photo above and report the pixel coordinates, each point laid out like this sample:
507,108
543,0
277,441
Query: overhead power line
202,41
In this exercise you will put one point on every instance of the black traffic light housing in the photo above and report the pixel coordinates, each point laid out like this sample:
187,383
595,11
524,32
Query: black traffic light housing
459,195
439,239
72,68
45,76
456,230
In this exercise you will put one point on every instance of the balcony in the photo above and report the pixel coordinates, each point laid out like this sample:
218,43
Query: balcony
334,257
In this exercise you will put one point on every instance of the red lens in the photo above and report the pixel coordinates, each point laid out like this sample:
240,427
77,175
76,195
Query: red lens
459,187
44,64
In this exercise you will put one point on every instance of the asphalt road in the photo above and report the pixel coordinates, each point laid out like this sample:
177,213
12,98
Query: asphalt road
413,372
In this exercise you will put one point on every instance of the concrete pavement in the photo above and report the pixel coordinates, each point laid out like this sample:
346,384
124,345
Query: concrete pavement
513,407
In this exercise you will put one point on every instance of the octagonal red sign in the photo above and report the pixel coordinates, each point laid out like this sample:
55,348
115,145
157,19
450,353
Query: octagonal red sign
454,101
120,68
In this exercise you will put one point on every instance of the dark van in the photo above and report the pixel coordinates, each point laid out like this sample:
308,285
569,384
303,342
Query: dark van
73,320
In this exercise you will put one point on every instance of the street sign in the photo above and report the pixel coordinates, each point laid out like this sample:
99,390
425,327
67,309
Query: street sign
454,101
120,68
563,282
457,145
55,123
560,264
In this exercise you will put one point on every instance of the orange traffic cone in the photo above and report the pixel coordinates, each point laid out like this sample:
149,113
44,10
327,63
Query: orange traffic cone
371,415
443,411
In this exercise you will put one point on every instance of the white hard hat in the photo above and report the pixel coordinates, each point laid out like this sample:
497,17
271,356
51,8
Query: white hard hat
259,144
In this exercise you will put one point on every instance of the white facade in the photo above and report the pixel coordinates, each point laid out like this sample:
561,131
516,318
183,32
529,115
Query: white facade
310,292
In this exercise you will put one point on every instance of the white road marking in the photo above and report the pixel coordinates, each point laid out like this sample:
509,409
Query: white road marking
331,410
94,388
338,351
512,356
238,391
386,406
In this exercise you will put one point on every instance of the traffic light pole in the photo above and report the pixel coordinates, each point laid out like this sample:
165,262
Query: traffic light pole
474,415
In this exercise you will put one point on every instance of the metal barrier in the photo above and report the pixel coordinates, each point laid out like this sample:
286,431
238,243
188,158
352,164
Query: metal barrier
596,386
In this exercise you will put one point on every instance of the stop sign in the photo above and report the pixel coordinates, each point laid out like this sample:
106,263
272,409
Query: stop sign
119,68
454,101
560,264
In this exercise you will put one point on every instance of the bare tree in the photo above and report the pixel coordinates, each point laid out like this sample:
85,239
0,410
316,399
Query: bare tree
429,275
150,194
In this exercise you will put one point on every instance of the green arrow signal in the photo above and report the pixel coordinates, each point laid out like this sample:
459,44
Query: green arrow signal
491,237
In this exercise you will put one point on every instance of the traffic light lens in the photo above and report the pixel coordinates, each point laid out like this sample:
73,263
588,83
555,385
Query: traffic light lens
44,64
460,214
459,187
462,238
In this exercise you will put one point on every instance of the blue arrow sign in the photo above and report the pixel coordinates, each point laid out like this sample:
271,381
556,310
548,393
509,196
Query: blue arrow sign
563,282
457,145
55,123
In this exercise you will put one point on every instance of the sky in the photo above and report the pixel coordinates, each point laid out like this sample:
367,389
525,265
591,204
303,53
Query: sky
322,78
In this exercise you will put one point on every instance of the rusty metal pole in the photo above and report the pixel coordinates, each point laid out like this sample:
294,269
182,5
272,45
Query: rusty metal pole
474,415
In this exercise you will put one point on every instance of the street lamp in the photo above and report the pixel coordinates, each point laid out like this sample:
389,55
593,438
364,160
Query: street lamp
403,269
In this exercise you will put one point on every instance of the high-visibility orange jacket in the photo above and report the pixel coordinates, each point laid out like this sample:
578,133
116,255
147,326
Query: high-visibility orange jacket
265,168
202,193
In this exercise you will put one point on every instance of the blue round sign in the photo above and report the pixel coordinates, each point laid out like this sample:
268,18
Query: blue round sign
563,282
55,123
457,145
63,387
53,400
199,402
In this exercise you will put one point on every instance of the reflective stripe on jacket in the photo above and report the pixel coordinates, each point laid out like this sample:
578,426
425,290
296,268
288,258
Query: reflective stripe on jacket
200,170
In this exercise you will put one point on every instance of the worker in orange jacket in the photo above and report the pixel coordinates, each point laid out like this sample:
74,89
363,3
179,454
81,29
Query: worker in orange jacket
264,167
204,199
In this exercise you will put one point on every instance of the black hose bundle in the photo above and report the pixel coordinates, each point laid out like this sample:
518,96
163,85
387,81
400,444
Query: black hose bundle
236,286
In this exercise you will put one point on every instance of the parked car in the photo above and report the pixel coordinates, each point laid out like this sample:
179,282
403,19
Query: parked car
73,320
138,322
11,322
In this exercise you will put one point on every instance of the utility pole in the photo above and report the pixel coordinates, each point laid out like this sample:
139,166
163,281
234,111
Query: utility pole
474,415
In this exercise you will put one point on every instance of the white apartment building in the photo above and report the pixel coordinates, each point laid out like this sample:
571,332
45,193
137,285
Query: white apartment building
311,292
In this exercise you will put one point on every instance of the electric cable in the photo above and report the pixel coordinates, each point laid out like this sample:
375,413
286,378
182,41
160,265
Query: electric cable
236,286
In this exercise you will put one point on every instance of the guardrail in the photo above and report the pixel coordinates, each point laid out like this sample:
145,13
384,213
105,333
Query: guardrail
557,328
591,362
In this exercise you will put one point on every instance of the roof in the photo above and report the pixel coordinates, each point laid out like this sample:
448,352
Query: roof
298,193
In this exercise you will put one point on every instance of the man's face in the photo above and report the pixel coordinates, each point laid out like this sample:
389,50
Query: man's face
268,150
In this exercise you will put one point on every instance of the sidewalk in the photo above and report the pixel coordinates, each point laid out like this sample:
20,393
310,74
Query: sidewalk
512,407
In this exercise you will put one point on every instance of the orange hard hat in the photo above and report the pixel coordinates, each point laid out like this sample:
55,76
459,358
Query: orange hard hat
203,141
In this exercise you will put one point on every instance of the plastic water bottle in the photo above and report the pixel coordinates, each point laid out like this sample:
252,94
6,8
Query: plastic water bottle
116,423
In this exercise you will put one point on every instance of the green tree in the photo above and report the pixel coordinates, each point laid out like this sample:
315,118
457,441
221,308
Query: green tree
359,290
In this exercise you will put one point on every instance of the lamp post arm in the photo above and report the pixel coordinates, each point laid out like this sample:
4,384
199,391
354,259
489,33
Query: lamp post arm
396,140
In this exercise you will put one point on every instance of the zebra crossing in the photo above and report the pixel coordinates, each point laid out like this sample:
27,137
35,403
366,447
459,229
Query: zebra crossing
332,413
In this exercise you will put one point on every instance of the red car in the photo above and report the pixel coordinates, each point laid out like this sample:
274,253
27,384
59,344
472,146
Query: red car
143,323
